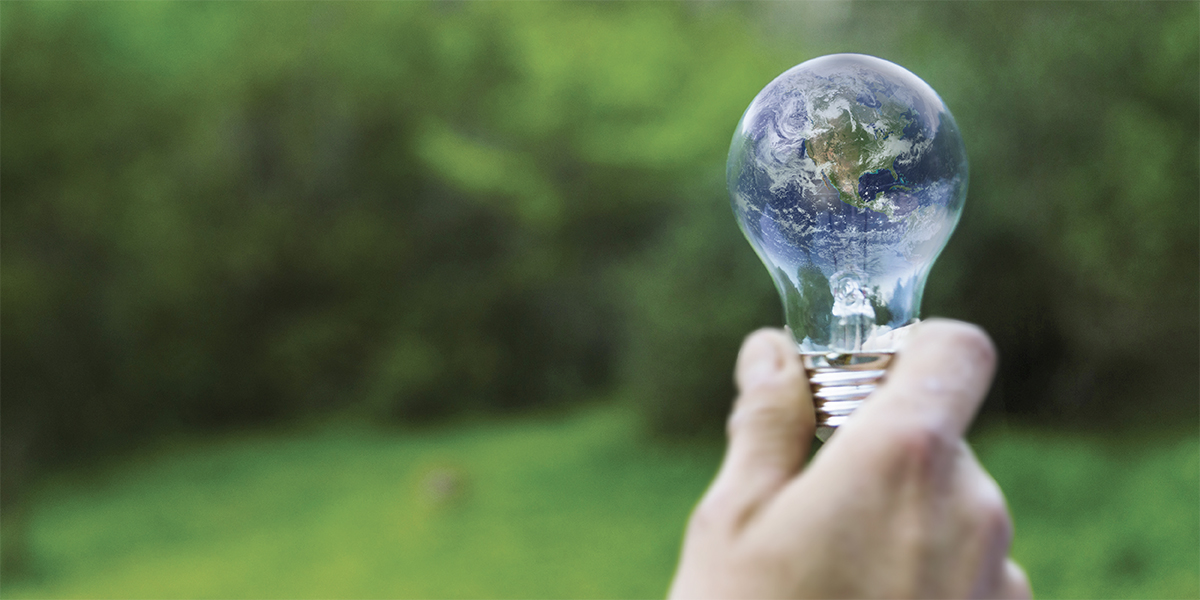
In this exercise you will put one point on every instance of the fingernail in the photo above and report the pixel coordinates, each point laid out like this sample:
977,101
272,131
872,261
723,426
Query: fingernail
759,361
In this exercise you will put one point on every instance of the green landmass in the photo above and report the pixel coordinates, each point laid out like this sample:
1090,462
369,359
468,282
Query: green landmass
852,150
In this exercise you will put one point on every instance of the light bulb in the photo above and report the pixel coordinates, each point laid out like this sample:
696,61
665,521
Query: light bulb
847,175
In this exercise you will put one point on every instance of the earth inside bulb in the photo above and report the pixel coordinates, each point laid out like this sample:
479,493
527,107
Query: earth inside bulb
847,175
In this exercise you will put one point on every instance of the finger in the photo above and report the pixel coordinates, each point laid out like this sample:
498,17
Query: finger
989,529
769,431
937,383
1016,583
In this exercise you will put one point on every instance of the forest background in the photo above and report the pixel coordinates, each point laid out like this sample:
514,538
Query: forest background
230,216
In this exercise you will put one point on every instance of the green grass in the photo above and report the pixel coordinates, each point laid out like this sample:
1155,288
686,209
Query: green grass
1102,518
576,506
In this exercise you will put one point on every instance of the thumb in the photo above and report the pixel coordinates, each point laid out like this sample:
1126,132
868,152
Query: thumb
770,429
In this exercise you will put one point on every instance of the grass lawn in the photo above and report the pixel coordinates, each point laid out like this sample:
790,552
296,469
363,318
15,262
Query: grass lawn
574,506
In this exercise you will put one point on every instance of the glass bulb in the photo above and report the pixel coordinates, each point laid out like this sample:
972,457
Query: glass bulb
847,174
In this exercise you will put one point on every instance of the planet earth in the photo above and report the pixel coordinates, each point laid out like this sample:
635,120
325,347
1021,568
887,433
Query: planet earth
848,172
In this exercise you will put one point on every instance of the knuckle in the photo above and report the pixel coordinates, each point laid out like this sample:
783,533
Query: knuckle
701,522
993,512
924,441
710,515
1018,581
922,449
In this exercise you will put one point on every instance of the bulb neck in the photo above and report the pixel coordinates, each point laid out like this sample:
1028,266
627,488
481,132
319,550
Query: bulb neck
840,381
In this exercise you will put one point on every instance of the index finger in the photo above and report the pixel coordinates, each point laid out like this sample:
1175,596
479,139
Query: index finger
937,383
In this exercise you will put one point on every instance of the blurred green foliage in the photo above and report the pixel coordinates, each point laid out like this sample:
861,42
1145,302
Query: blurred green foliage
224,213
538,508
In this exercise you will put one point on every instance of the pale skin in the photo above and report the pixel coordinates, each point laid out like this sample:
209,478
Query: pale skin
895,505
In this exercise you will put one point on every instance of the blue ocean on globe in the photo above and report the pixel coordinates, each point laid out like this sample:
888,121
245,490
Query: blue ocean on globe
847,173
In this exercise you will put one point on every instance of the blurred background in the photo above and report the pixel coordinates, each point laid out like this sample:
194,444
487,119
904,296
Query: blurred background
442,299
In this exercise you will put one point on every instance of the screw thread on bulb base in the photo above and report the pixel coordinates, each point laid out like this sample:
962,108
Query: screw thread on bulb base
840,381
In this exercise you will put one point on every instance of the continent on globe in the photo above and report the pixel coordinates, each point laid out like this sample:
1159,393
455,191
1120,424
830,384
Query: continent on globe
857,150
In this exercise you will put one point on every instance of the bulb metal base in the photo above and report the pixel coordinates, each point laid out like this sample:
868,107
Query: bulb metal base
840,381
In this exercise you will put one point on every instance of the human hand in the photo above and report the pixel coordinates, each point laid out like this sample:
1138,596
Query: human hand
895,505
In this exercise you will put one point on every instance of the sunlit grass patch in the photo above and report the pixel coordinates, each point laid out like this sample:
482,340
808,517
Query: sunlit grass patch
1102,518
575,506
571,507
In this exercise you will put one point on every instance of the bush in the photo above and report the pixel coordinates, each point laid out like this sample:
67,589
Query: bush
217,214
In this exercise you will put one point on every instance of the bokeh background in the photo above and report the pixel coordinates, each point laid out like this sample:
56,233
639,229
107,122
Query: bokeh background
441,299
